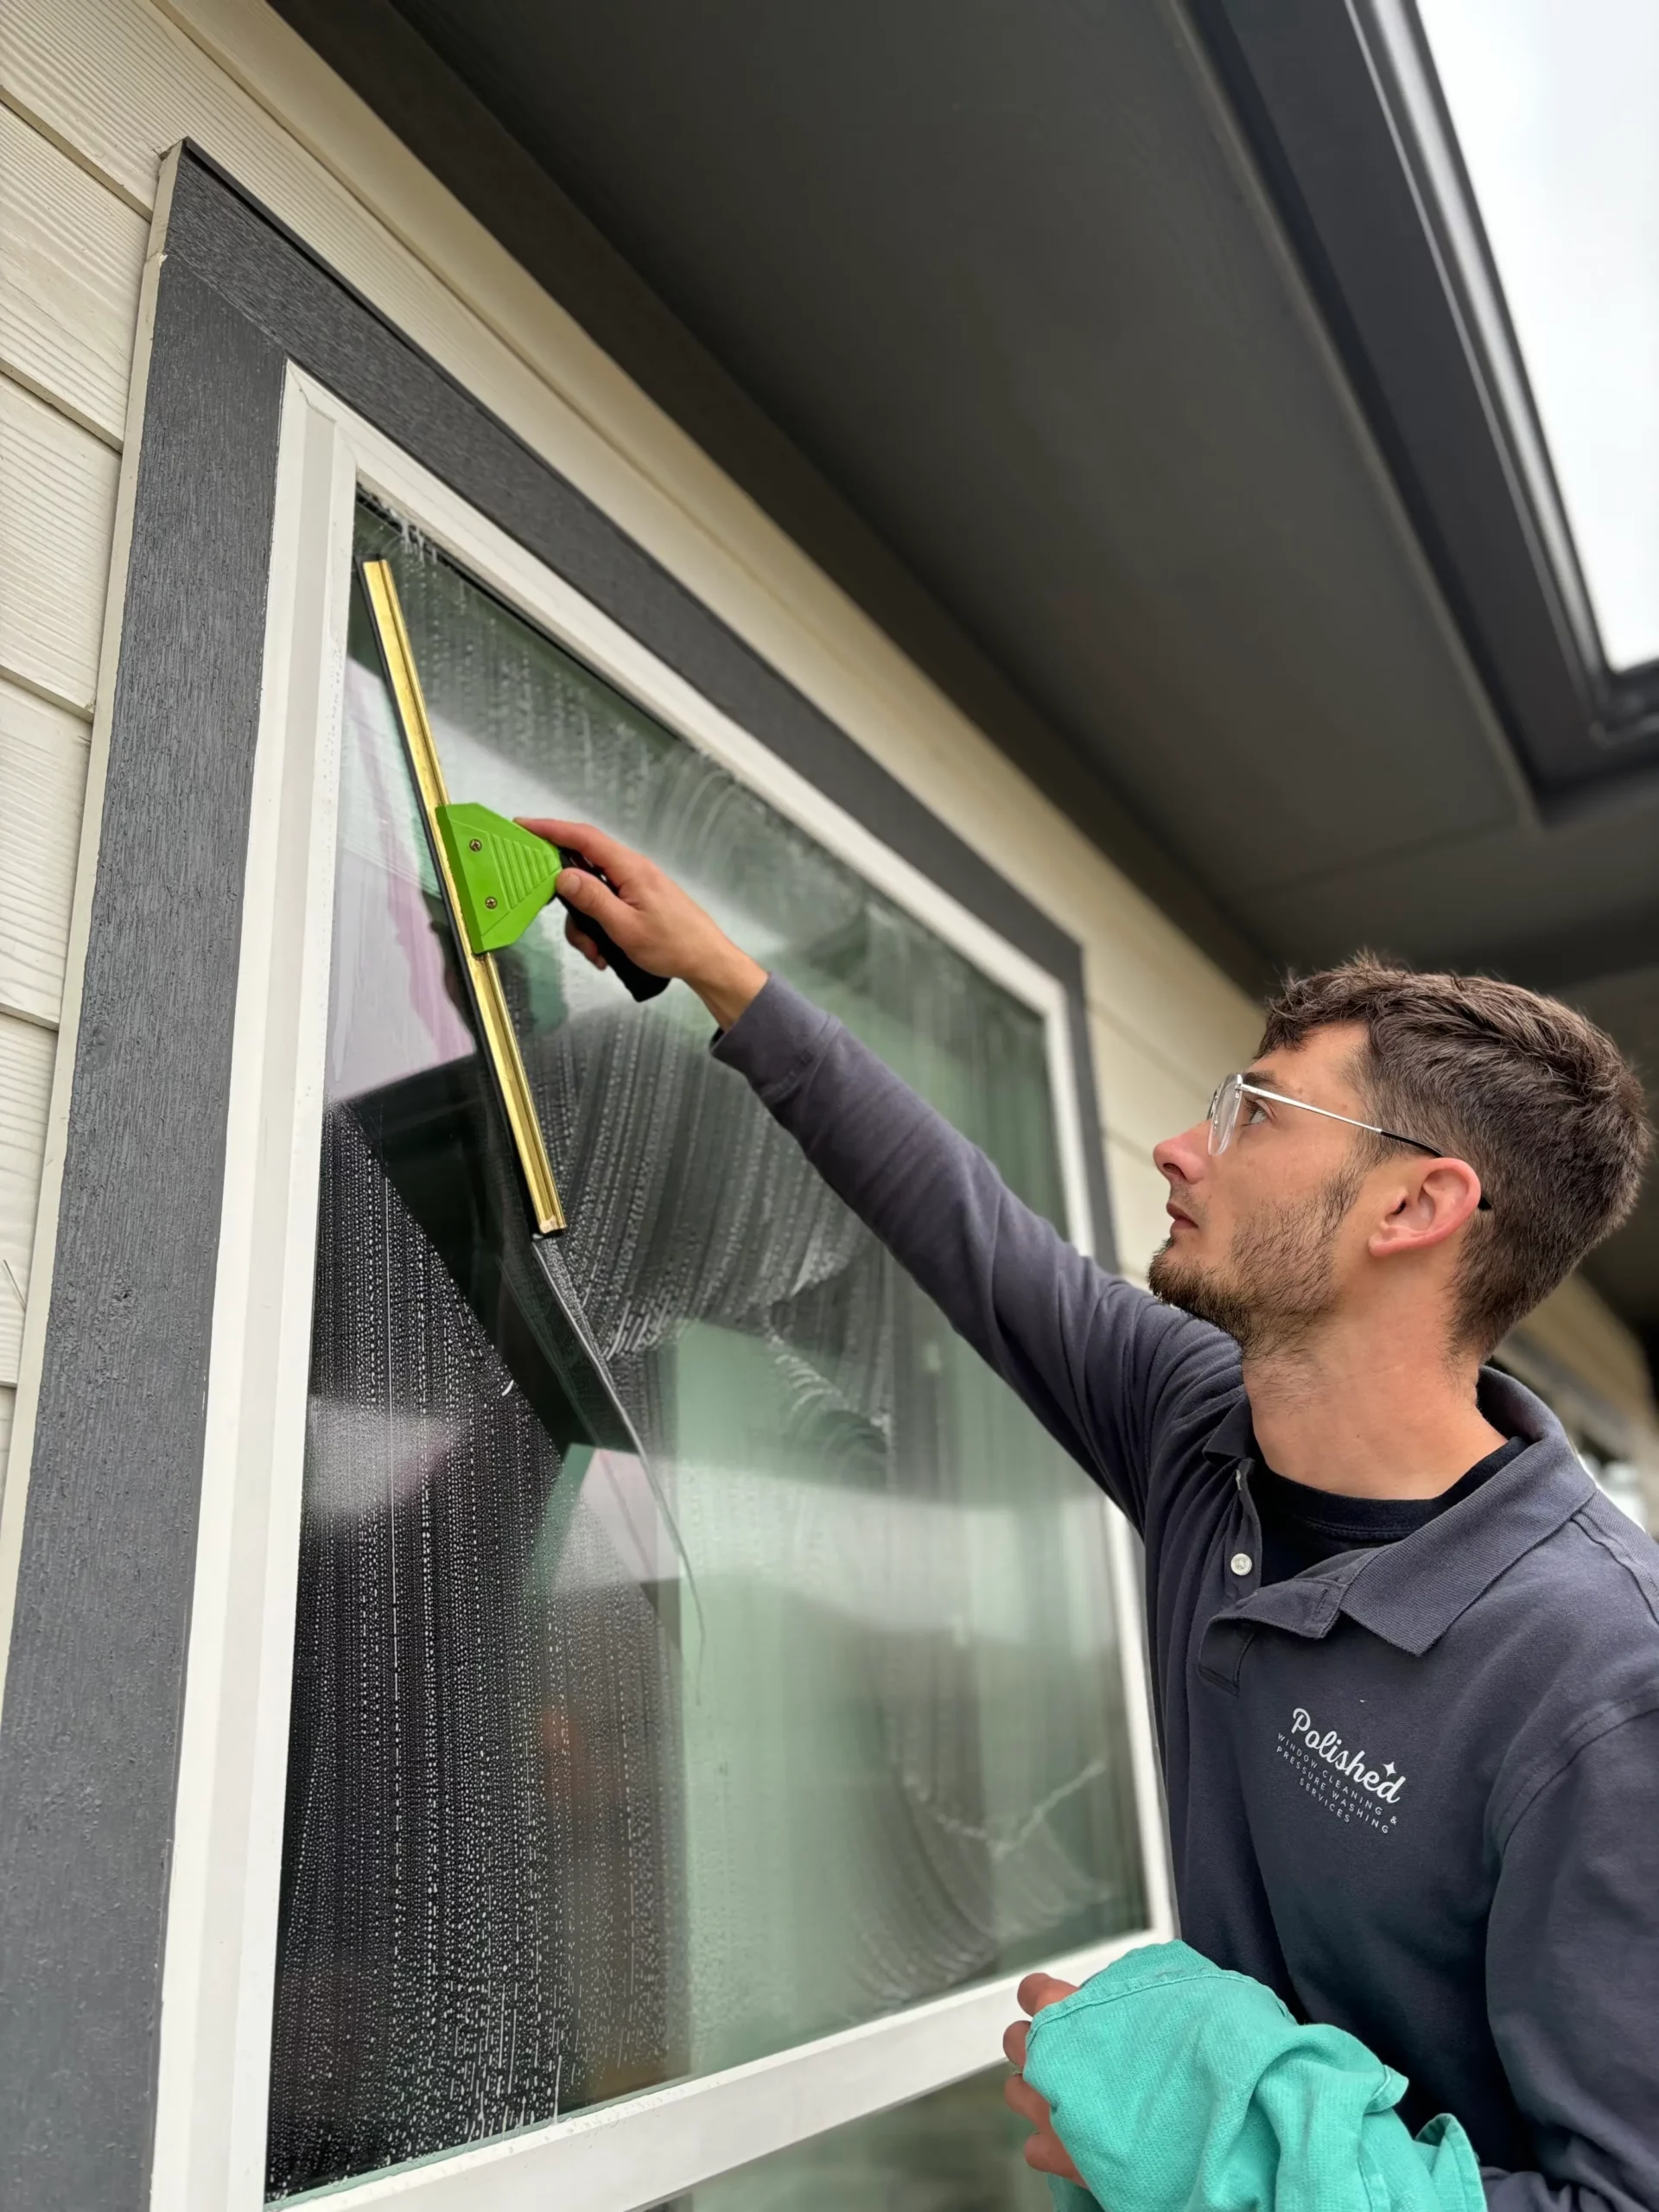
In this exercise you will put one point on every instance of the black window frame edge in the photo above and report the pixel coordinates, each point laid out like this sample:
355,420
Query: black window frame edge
1349,153
90,1734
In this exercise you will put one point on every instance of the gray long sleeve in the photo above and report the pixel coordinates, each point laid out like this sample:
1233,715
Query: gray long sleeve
1091,1355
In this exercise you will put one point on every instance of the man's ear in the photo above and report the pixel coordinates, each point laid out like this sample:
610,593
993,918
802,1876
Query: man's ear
1432,1204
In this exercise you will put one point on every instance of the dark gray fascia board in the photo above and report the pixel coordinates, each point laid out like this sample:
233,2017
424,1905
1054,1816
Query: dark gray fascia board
90,1734
1348,151
455,135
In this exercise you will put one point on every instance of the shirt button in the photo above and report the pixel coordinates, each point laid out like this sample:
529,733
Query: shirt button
1241,1562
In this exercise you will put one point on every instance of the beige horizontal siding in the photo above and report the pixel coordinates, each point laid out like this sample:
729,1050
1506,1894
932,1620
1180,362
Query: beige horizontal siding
57,512
43,778
71,254
1144,1096
26,1056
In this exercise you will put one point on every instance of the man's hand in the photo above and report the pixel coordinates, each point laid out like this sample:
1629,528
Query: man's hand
651,918
1045,2152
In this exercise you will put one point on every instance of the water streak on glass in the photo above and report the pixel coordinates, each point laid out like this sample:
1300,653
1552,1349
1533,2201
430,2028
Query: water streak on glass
553,1832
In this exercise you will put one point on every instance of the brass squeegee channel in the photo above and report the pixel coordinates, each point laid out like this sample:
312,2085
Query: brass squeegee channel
484,982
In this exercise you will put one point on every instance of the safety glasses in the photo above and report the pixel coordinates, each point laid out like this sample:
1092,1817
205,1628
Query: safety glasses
1233,1090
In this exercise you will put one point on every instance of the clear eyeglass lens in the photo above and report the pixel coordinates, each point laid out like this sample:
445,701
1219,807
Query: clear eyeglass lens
1223,1113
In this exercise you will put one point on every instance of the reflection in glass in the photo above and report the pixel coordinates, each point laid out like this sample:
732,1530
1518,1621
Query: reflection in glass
577,1802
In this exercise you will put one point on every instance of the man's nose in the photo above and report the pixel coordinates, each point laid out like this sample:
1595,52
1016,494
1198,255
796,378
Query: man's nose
1183,1158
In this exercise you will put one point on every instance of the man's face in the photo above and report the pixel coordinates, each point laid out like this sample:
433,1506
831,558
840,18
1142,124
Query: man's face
1257,1242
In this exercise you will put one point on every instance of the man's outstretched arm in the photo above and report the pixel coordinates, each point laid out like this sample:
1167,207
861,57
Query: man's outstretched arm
1091,1355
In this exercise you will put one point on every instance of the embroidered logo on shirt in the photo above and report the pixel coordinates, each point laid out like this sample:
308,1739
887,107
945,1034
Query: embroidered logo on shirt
1337,1778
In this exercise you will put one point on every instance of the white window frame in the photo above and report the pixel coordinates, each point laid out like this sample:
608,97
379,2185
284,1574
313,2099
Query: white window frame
219,1971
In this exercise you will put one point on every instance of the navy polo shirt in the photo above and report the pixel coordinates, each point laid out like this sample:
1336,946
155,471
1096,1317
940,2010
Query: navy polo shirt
1414,1788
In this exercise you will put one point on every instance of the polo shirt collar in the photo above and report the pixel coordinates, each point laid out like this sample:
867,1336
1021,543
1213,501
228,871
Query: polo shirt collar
1411,1591
1232,1437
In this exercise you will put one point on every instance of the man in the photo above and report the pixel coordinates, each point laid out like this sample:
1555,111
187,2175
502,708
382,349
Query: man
1405,1657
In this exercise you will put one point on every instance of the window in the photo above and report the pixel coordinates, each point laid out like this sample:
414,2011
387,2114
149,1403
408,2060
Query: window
636,1808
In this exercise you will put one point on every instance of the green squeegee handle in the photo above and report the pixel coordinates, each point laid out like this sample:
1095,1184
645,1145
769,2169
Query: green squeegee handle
504,875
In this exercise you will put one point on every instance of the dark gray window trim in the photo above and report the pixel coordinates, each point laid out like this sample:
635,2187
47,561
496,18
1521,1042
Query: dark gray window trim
1345,147
89,1741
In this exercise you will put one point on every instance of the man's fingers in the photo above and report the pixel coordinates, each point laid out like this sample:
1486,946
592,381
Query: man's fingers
1044,2152
1039,1989
619,860
1019,2096
1013,2044
1047,2154
591,897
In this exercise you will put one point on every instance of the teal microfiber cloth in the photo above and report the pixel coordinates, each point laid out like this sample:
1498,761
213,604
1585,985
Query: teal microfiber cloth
1178,2087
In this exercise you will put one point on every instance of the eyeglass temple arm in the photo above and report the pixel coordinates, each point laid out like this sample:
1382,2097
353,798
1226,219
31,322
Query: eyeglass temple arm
1326,1113
1373,1128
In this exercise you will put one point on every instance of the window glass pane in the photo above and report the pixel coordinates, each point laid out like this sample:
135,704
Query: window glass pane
601,1773
960,2150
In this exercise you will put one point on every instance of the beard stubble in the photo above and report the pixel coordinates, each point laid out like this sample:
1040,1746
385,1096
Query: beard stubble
1277,1281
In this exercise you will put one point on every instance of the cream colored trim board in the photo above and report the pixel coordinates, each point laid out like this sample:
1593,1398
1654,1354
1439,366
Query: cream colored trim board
221,1926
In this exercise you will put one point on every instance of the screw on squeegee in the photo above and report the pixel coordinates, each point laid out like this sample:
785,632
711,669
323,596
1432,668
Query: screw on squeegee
490,903
474,844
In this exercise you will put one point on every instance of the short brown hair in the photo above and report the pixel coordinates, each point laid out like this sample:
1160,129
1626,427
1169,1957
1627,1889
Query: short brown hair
1540,1102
